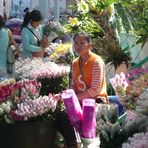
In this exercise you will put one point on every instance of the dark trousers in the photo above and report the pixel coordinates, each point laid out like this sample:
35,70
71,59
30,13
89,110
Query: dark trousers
64,126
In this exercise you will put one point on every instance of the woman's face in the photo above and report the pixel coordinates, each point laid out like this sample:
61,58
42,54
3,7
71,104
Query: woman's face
35,24
81,45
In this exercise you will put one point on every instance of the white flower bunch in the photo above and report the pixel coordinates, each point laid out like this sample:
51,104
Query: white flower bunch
5,107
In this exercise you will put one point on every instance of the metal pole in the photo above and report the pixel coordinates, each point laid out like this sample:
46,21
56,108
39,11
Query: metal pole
56,10
1,8
8,7
43,7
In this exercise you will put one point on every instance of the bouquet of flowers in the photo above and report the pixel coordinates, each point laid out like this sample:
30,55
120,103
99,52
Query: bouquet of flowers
53,77
136,83
119,83
53,29
62,53
38,68
21,101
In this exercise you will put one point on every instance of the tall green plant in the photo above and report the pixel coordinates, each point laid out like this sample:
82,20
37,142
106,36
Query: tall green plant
138,9
107,44
105,19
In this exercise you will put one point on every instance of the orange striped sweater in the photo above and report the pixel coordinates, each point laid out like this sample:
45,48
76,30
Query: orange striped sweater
93,78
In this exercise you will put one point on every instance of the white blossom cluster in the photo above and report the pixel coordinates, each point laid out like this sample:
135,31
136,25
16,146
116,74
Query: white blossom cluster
32,108
5,107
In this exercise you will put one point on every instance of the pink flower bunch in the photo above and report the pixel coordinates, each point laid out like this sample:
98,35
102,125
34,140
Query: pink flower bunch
41,68
33,108
31,86
6,89
51,72
119,83
130,86
139,140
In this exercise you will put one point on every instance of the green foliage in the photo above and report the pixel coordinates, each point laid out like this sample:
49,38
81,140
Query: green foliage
106,19
53,85
85,23
121,18
139,12
100,5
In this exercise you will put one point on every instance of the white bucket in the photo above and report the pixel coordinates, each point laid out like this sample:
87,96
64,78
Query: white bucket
90,142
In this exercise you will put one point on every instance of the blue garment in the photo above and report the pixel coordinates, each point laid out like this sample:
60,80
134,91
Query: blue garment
115,100
4,42
29,41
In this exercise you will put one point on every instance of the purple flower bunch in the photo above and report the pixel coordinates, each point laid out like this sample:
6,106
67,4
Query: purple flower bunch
139,140
136,72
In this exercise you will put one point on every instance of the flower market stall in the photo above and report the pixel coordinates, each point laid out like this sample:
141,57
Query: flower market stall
27,107
26,117
132,90
26,104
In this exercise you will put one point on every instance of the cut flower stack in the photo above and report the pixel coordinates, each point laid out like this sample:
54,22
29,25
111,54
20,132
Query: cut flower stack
83,119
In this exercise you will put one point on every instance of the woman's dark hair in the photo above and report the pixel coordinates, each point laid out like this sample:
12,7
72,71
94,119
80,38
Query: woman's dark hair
26,9
34,15
84,34
2,22
25,21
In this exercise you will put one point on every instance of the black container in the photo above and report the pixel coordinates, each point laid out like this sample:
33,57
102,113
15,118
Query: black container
35,134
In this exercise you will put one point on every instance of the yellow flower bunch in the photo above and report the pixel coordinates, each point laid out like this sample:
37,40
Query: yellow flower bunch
74,21
61,50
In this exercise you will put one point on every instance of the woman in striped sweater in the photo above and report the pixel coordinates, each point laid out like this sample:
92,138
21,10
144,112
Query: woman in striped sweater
88,81
88,71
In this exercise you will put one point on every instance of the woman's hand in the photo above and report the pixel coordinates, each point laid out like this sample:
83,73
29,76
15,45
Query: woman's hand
57,97
44,42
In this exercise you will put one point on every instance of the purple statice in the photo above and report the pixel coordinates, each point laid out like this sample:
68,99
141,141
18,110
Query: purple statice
139,140
136,72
